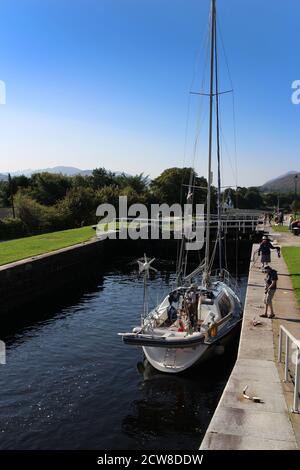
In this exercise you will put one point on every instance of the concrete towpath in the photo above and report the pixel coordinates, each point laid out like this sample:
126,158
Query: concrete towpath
241,424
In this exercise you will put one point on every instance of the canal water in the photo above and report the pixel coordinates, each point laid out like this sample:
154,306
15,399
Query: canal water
70,382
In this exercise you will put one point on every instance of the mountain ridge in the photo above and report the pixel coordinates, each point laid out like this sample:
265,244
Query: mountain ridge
65,170
282,184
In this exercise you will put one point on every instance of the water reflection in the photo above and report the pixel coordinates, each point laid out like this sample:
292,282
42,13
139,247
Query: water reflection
70,382
176,408
15,325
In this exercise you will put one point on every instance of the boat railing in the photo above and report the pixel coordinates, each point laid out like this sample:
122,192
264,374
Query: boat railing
227,278
292,356
156,312
242,222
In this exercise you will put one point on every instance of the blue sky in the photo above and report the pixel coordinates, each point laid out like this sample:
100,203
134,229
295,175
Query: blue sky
106,83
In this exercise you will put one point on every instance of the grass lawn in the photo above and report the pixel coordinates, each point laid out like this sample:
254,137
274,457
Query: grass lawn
280,228
21,248
291,255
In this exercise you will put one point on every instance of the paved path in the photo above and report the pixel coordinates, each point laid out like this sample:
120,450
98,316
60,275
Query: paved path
239,423
283,238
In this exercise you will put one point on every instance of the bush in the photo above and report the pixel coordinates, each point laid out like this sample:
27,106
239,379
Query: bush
30,212
48,188
78,208
12,228
38,218
295,207
108,194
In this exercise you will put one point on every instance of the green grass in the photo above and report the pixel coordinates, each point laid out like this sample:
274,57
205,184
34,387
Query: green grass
21,248
291,255
280,228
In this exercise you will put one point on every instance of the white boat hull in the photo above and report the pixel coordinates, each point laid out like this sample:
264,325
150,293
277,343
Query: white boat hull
178,360
174,360
171,350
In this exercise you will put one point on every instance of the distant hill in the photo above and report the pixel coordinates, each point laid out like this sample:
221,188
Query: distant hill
282,184
65,170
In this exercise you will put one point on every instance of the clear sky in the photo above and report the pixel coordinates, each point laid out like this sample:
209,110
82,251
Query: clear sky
94,83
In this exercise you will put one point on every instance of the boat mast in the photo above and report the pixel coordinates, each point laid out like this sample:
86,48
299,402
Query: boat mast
219,235
209,178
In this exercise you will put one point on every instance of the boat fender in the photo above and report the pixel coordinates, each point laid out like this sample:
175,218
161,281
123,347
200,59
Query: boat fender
213,330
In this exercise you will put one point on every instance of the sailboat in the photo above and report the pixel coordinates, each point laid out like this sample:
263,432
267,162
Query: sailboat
195,319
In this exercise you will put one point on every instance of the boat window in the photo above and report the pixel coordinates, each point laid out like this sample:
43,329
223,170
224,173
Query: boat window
224,305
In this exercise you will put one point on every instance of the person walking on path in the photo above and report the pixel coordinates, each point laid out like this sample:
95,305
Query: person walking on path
265,251
270,218
291,220
270,289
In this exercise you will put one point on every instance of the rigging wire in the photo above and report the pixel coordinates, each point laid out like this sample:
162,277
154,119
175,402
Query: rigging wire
213,255
233,100
205,50
235,146
225,252
222,142
201,112
218,152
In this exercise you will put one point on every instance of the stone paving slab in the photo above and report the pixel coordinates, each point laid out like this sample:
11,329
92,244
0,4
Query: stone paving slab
257,388
258,346
219,441
245,422
257,368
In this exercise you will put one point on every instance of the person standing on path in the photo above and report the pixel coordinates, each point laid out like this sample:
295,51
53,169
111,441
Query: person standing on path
270,289
265,251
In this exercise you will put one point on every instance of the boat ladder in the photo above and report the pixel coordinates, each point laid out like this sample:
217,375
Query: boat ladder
170,358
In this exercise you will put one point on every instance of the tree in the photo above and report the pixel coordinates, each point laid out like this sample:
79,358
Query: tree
18,182
270,199
12,228
30,212
108,194
295,207
172,186
139,183
78,207
131,194
253,198
101,177
4,194
82,181
36,217
49,188
229,195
